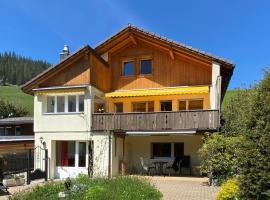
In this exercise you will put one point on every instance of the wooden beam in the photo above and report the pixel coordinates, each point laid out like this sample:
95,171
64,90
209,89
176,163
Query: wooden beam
171,53
133,39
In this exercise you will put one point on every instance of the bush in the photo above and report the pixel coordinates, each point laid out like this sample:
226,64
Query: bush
84,188
229,190
218,155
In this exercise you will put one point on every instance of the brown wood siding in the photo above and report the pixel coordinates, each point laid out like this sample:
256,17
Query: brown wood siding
166,72
77,73
10,147
100,75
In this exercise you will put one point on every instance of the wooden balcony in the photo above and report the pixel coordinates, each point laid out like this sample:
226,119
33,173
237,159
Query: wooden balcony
156,121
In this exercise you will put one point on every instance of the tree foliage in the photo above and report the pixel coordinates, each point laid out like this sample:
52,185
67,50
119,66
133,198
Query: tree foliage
16,70
7,109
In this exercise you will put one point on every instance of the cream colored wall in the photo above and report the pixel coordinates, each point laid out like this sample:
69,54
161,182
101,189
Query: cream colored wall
101,154
140,146
117,154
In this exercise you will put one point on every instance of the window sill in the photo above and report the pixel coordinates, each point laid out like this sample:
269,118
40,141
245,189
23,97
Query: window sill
64,113
128,76
145,75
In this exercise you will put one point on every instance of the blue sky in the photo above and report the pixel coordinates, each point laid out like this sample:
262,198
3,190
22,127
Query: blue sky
236,30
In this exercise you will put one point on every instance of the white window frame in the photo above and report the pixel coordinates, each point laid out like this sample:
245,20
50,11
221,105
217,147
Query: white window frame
66,104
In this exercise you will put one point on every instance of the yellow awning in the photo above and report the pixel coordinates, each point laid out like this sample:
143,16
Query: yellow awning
161,91
61,91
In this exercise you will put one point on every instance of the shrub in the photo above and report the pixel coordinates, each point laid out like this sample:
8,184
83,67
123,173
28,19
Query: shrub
118,188
229,190
218,155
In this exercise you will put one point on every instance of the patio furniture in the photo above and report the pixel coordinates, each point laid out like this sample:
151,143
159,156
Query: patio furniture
159,165
174,165
185,164
146,168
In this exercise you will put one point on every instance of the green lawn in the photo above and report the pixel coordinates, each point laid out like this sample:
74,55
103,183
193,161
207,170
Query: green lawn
17,96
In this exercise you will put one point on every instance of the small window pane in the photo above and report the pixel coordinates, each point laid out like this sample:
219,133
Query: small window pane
161,150
166,106
82,154
60,104
2,131
182,105
71,103
151,106
9,131
81,103
65,153
178,149
17,130
139,107
99,107
118,107
128,68
195,105
146,66
50,104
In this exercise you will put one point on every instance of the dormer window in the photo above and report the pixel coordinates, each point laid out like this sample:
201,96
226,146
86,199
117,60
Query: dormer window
128,68
146,66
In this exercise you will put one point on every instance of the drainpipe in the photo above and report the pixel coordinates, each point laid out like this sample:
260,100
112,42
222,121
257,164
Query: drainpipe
110,155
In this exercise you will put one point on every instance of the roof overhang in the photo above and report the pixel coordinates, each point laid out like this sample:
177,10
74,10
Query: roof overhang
160,133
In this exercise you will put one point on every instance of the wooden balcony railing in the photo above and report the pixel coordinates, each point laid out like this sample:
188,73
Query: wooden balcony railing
157,121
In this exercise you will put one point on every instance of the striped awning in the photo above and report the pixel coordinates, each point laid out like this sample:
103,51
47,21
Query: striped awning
160,91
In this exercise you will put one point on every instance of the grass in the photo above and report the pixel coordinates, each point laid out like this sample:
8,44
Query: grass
15,95
118,188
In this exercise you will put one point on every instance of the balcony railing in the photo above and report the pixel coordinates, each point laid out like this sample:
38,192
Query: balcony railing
157,121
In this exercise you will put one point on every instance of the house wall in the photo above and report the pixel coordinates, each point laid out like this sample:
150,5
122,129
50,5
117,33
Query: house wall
140,146
16,146
166,72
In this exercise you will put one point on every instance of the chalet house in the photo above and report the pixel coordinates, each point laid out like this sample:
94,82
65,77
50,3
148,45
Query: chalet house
16,135
135,96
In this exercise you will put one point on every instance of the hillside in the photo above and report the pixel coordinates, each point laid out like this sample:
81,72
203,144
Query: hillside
16,69
14,94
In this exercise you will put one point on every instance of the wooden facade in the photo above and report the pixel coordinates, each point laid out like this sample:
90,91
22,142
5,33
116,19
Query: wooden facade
166,72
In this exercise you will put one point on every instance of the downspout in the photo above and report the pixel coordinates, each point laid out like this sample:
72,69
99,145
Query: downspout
110,155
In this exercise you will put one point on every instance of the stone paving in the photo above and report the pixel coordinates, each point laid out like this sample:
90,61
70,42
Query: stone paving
184,188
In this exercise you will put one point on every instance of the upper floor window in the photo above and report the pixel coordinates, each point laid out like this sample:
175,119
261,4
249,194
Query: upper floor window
128,68
17,130
143,106
166,106
192,104
118,107
146,66
64,104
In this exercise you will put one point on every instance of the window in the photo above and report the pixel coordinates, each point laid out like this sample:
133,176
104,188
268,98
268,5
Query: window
81,103
166,106
128,68
182,105
178,149
118,107
9,131
82,154
99,107
17,130
50,104
72,103
2,131
161,150
195,104
65,153
60,103
146,66
143,106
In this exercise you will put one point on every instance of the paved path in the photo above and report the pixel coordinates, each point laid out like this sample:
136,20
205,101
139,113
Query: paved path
186,188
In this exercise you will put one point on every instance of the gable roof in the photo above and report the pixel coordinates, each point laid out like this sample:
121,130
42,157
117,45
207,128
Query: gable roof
84,49
134,29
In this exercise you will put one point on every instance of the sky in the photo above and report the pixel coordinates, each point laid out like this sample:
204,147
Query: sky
236,30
